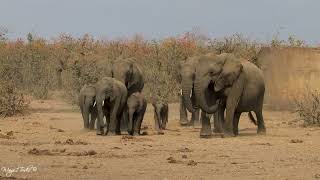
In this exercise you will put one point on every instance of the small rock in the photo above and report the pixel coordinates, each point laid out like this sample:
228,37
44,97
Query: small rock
184,150
192,163
60,130
74,166
184,156
69,141
144,133
296,141
92,152
85,167
317,176
10,133
172,160
116,147
57,142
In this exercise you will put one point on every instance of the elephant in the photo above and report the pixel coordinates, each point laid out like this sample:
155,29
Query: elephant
87,105
225,81
187,71
136,105
161,114
129,73
112,95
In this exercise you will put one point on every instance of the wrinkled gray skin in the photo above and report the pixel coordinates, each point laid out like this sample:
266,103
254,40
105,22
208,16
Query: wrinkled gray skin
136,105
161,113
238,84
112,94
187,72
87,105
129,73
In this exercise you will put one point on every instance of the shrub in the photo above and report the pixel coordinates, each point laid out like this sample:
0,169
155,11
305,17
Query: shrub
308,108
11,100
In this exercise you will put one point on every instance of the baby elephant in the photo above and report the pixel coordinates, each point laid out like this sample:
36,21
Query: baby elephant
136,107
161,112
87,106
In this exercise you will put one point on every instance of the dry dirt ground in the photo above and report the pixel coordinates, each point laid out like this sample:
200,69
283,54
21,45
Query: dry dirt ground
50,142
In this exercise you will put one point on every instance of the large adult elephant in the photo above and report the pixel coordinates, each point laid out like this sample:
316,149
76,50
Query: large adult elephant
238,84
129,73
188,100
111,98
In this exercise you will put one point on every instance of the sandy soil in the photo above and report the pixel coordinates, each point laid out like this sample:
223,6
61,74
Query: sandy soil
50,139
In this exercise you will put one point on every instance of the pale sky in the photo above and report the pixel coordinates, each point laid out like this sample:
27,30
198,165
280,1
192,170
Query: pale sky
257,19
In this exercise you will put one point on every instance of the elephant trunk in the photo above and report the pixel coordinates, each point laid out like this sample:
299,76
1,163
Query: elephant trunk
186,90
200,90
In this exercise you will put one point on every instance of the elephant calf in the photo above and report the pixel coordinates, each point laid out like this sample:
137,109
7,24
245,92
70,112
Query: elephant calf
136,106
87,106
161,112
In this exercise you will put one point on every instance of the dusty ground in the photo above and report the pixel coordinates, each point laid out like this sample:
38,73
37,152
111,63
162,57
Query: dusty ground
50,139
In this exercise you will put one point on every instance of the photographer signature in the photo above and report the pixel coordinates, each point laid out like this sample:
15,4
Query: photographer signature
10,171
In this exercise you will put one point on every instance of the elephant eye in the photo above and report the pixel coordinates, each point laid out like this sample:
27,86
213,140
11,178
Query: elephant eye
211,73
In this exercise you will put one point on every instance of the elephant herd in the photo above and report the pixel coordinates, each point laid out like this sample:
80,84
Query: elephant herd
220,85
118,98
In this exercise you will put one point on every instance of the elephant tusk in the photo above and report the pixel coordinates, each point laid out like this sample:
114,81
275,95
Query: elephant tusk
94,103
102,103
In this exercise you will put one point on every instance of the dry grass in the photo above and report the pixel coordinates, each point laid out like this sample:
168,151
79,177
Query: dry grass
37,66
308,108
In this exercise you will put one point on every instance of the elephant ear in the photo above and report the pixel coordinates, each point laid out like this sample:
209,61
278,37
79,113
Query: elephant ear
231,70
136,78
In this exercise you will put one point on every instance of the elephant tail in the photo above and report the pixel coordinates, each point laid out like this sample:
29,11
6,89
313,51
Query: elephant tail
252,118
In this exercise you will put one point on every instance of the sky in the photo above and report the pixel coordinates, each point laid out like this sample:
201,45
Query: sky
257,19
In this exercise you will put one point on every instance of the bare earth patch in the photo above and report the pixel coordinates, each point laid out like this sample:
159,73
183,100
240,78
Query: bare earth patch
51,139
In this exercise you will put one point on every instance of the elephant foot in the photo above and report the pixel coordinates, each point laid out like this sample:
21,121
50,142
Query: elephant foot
100,132
262,131
136,134
217,131
227,134
205,133
111,133
184,122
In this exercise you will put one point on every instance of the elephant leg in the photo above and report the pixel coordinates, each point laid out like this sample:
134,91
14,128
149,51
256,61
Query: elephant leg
219,120
195,117
236,123
100,124
228,123
260,121
114,125
138,123
124,120
131,122
157,121
206,131
183,113
165,119
94,115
